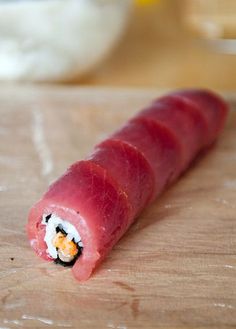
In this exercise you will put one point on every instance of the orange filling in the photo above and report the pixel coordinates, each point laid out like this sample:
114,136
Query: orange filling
67,247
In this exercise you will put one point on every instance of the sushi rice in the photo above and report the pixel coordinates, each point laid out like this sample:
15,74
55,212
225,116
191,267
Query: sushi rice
54,223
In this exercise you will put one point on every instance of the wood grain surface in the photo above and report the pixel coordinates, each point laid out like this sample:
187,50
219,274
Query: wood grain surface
175,267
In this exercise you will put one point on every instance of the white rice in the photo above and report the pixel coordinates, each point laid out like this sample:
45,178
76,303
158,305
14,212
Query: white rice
51,226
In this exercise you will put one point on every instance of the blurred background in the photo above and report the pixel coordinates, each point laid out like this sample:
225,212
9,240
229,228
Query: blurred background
139,43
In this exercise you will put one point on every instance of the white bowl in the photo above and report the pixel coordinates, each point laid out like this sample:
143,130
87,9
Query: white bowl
48,40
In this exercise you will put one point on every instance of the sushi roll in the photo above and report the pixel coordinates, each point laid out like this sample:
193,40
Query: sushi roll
90,207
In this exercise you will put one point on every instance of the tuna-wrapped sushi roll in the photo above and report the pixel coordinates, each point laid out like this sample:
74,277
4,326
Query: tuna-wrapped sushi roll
89,208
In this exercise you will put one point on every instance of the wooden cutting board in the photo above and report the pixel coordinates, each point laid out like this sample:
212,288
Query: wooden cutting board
175,267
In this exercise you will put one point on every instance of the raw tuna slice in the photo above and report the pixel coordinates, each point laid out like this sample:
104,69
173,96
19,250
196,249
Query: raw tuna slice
158,145
211,106
128,167
90,200
88,209
185,122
